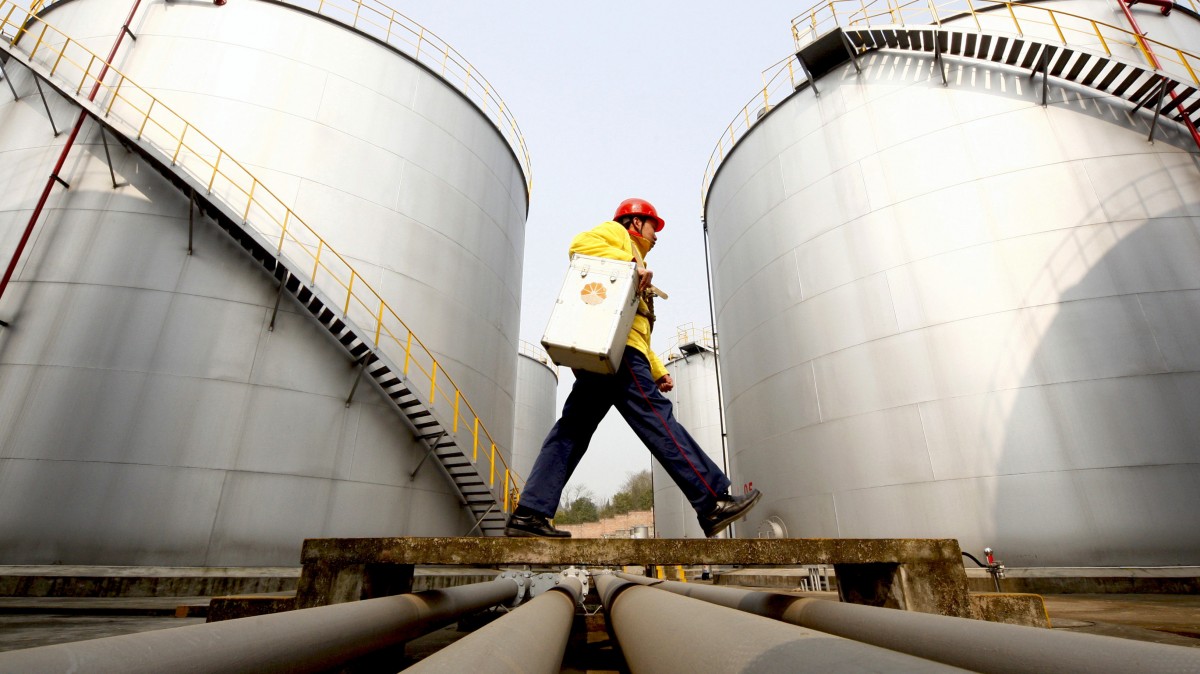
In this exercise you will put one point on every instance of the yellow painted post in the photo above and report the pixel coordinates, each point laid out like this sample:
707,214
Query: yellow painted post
349,292
216,168
39,41
433,384
407,352
116,94
249,201
283,232
505,490
1054,19
492,474
1145,50
974,15
457,396
475,446
146,118
1013,14
682,575
1100,35
175,157
1183,60
86,71
62,50
379,322
317,260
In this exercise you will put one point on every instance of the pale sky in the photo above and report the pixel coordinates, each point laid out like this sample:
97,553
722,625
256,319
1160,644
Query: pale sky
616,99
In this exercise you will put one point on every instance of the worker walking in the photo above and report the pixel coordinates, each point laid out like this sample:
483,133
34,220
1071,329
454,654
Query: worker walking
636,390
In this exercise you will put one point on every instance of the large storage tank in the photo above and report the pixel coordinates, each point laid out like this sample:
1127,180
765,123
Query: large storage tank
951,311
692,363
537,392
149,414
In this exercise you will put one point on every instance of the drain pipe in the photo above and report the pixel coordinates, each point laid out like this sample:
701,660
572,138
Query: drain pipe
305,640
971,644
663,633
531,639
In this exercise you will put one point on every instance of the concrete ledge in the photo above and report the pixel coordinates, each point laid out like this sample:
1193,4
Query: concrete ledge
1091,580
246,606
143,581
1011,608
630,551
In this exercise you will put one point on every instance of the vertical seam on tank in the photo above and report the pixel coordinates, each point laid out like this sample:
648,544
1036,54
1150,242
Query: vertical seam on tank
212,527
812,366
1150,328
925,437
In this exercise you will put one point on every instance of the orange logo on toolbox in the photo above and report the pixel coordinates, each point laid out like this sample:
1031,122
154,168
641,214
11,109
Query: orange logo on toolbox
593,294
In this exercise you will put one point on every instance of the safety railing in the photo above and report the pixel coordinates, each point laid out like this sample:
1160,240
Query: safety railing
377,20
687,334
128,106
993,16
779,81
536,352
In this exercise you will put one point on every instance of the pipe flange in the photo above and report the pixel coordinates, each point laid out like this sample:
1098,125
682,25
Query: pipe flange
521,578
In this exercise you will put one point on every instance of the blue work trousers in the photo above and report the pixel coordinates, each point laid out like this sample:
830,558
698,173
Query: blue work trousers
647,411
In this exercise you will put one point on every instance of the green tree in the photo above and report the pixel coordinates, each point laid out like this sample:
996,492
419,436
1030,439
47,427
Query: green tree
637,493
578,505
581,510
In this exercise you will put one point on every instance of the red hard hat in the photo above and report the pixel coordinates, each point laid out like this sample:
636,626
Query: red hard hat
640,207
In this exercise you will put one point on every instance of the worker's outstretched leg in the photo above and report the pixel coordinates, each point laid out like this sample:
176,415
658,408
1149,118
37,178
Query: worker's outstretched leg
652,418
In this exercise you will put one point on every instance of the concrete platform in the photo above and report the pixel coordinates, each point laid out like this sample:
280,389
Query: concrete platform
924,575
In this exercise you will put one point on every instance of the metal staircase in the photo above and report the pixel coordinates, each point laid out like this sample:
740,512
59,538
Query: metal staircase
443,428
1139,84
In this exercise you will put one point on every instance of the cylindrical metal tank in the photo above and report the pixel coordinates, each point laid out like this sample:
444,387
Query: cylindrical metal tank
147,413
537,391
949,311
692,363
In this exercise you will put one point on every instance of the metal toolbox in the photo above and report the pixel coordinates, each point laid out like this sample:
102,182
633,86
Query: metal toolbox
592,317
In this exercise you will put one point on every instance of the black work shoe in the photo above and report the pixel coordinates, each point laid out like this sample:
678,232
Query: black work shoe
728,509
532,525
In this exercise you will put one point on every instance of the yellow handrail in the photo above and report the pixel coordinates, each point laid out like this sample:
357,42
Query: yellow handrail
379,21
126,105
1071,29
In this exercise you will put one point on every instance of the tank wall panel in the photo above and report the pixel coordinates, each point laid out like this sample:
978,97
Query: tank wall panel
949,311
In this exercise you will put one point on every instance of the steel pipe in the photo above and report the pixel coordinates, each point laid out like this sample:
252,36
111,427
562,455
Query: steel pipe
305,640
971,644
664,632
531,639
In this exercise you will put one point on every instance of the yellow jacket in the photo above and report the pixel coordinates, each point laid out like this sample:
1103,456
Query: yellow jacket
613,241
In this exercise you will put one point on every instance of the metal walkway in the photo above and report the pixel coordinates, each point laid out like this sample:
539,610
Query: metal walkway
455,450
